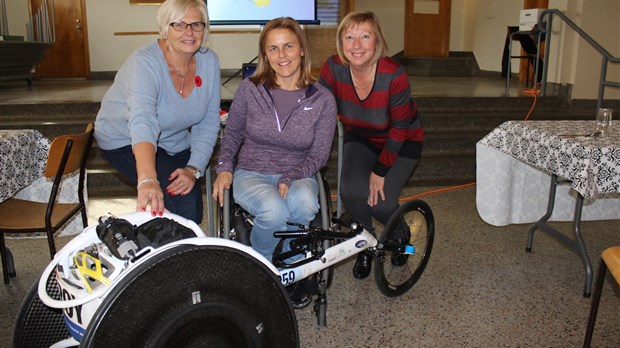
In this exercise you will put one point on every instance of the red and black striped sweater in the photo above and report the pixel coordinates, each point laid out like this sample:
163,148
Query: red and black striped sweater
387,120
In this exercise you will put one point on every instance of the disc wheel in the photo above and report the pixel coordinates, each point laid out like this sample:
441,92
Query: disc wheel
196,296
412,224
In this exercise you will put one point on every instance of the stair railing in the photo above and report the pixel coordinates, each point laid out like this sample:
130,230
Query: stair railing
545,25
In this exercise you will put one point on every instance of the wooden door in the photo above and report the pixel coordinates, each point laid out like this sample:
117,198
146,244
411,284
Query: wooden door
68,56
427,28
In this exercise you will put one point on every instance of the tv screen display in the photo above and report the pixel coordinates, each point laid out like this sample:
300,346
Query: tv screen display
259,12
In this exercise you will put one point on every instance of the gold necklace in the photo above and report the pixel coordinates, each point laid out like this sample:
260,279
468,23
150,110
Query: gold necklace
180,74
372,78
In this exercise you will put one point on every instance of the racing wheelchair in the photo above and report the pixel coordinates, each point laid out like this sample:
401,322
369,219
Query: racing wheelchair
111,286
329,240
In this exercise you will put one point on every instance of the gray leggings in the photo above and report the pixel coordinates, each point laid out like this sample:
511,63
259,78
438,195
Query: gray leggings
358,161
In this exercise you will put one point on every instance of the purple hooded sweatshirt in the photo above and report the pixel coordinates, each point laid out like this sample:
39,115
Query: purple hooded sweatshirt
298,150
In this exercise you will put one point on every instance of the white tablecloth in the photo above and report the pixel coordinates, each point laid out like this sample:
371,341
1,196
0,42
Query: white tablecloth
509,191
514,165
24,153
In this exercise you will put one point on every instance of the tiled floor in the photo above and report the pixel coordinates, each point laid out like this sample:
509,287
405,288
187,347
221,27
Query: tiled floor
480,289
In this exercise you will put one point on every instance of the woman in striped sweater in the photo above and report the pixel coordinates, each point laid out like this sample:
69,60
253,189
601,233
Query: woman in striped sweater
383,134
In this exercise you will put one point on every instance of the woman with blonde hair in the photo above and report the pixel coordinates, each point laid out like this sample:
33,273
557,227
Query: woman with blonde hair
159,120
383,133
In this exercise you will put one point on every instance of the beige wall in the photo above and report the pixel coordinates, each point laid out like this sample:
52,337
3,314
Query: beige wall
491,19
462,25
477,25
17,16
109,51
601,20
391,14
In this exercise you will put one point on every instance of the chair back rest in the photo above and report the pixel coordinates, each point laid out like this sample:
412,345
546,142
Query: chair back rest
77,157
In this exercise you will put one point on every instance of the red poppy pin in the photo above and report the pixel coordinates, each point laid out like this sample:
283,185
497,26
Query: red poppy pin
197,81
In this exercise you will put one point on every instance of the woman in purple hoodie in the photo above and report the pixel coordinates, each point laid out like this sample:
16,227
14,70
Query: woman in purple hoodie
279,130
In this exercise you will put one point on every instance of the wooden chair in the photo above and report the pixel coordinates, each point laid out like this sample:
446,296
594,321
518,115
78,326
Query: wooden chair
610,259
67,154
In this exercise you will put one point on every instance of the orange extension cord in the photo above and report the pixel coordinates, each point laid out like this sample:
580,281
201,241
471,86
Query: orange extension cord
533,92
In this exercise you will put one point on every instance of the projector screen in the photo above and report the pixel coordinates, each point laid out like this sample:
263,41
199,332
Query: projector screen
230,12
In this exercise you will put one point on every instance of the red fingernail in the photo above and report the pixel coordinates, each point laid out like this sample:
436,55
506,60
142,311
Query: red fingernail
153,213
143,208
161,213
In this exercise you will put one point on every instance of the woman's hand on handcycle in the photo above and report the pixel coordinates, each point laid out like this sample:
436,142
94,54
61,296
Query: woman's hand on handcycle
149,193
222,182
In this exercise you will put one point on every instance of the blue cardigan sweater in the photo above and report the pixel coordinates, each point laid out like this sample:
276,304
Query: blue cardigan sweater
143,105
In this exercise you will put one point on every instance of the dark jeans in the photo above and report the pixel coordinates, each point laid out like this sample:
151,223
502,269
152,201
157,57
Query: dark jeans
188,206
358,161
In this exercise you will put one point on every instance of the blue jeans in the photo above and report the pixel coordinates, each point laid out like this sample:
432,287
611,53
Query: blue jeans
188,206
258,194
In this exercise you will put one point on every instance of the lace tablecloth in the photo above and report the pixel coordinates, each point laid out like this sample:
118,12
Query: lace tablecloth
22,159
23,153
515,161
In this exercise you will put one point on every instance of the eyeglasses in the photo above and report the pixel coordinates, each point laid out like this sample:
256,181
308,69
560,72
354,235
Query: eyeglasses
181,26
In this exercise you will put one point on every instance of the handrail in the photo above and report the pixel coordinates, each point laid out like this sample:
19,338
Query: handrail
607,57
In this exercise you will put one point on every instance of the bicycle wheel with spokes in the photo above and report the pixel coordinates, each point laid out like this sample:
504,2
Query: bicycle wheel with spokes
412,224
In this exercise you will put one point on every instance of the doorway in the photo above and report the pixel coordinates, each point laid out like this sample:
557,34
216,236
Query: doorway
68,56
427,28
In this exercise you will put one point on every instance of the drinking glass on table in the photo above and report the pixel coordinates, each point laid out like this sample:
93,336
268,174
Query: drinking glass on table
603,120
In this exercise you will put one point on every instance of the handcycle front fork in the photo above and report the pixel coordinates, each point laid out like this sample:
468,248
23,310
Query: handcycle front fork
320,304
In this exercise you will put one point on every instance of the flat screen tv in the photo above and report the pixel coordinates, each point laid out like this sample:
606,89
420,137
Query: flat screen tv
259,12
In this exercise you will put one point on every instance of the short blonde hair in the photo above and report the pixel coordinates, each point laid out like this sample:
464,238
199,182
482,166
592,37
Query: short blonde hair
174,10
354,19
264,73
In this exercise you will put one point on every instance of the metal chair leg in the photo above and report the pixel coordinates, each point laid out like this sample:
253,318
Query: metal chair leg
5,261
596,299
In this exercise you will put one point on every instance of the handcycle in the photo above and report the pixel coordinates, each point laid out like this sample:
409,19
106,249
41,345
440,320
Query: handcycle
101,291
329,240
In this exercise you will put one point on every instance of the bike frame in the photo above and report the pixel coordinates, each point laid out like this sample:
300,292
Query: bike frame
355,242
291,273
